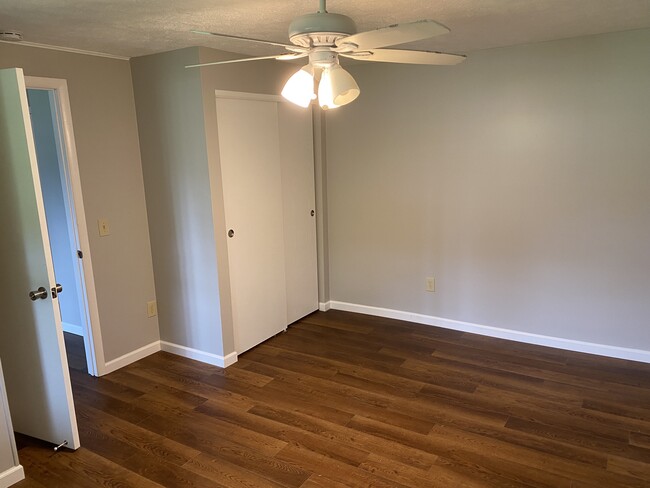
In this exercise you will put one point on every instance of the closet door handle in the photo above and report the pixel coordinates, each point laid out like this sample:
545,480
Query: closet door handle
312,213
231,233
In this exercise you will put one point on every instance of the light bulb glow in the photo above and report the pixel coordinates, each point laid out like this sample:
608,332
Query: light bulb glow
336,88
299,89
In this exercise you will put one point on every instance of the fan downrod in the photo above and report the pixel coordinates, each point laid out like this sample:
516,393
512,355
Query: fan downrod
321,28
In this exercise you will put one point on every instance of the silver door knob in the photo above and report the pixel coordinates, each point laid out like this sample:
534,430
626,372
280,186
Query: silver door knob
56,290
36,294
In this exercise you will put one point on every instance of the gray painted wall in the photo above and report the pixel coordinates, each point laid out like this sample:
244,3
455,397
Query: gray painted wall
103,115
172,137
55,204
180,154
520,180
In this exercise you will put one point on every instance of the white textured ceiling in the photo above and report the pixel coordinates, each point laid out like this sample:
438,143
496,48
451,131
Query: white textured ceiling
137,27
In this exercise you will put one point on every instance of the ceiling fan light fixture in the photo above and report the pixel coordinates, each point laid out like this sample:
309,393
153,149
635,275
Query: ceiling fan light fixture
325,36
336,88
299,89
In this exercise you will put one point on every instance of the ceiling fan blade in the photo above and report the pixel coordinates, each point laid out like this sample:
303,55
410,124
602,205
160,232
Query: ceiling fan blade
406,56
393,35
279,57
289,47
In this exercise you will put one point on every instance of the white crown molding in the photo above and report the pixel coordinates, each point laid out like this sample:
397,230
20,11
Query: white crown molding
66,49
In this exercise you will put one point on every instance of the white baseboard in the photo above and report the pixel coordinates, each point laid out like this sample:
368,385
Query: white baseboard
130,357
324,306
72,328
186,352
196,354
11,476
486,330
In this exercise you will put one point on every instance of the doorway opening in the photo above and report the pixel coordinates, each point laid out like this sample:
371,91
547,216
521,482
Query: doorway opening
61,189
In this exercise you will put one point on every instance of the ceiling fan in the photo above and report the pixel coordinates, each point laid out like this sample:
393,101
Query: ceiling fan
324,36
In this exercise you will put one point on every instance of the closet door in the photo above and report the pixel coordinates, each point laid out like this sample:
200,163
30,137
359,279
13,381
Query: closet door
299,201
252,185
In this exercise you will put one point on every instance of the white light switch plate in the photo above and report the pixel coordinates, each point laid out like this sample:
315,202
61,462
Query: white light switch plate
152,309
430,284
104,227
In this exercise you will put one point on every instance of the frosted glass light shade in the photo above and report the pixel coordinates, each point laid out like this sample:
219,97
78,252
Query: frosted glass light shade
336,88
299,89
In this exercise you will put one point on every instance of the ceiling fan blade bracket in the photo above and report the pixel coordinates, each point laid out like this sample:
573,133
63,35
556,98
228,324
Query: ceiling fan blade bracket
290,56
298,49
346,47
357,54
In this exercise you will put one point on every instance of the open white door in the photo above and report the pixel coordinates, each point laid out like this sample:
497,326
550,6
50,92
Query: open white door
31,336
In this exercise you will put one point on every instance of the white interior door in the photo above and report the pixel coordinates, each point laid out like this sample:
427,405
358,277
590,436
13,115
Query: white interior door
299,201
252,186
31,337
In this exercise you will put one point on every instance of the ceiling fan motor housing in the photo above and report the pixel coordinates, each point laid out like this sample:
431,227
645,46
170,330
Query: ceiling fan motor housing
320,29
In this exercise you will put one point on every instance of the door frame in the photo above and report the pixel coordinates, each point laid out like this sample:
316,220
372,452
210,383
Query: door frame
78,230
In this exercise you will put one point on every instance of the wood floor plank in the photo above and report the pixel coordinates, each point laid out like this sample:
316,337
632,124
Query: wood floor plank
583,439
373,405
619,408
114,389
228,474
208,433
398,472
350,400
628,467
640,439
479,472
321,481
334,469
111,405
564,467
552,412
137,437
286,427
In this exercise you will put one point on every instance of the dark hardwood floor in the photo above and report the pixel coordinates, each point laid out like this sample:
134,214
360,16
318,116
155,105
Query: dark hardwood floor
74,347
350,400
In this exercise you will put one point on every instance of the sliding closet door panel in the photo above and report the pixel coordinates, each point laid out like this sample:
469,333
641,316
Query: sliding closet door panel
297,154
252,186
